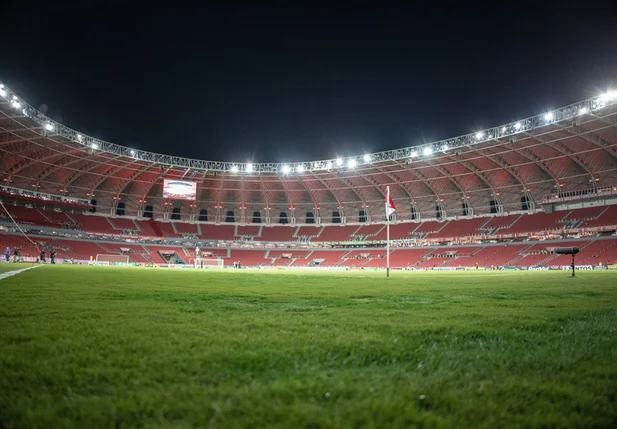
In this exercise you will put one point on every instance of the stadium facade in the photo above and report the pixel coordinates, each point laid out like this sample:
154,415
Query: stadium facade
552,175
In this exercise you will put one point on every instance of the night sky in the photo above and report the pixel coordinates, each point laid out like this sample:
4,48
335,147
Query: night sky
292,81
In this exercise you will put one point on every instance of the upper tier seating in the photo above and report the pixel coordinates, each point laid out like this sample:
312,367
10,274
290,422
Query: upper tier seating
309,231
608,217
167,229
121,223
248,230
217,232
29,216
59,218
335,233
460,228
146,228
584,213
186,228
429,227
278,233
370,231
500,222
535,223
95,224
398,231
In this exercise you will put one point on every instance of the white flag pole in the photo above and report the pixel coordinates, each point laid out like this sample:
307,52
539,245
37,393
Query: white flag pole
388,234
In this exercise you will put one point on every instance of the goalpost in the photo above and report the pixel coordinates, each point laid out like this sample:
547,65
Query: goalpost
207,262
112,259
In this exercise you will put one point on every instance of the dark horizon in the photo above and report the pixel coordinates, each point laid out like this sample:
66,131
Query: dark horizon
281,83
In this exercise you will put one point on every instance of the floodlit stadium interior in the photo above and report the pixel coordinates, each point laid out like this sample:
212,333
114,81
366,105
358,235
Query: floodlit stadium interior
503,197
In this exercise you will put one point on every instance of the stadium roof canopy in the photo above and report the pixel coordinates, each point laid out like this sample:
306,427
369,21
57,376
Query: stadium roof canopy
567,149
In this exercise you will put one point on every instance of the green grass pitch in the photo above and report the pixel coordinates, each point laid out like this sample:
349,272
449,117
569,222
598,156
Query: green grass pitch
100,347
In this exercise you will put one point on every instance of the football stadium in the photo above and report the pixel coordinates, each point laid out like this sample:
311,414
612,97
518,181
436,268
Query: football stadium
468,282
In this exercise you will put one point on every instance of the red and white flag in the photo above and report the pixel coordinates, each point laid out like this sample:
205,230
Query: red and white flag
389,204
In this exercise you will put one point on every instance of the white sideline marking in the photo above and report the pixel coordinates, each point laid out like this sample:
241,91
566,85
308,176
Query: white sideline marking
12,273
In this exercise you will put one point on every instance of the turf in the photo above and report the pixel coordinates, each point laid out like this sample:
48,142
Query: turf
4,267
99,347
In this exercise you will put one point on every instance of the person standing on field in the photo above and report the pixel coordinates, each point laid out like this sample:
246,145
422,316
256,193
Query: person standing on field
7,254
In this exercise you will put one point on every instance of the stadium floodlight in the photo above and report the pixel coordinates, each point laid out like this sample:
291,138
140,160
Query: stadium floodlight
582,111
608,96
414,153
517,126
94,146
234,169
367,158
351,163
286,169
329,165
339,161
16,104
132,152
445,147
479,135
428,151
80,137
503,129
2,92
249,168
549,116
49,127
300,168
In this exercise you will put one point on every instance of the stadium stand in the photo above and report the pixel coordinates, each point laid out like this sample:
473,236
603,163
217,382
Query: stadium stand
337,233
95,224
122,224
248,231
607,217
460,228
182,228
534,223
278,234
520,200
217,232
167,229
309,231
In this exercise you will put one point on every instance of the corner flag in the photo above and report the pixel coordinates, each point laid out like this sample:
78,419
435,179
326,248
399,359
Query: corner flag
389,204
389,210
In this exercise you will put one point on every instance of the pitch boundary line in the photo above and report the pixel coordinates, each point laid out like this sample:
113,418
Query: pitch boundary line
13,273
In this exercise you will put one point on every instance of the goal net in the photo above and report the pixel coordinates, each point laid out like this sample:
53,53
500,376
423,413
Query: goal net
207,262
112,259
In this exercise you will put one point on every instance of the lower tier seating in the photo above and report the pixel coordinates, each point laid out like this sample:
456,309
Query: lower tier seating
594,251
